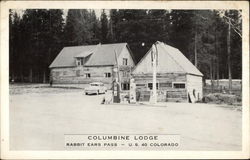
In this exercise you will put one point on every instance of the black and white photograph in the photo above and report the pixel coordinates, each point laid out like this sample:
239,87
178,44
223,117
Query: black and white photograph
125,79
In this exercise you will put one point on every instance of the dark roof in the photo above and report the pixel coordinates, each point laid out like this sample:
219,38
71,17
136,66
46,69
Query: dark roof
102,54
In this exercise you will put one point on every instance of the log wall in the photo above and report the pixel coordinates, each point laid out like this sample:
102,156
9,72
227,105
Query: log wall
77,75
165,91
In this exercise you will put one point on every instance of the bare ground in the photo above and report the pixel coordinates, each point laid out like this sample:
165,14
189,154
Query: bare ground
40,116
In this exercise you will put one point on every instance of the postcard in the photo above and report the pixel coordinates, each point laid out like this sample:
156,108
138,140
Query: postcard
124,79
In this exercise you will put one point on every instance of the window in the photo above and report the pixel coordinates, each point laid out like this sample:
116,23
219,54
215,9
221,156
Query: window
87,75
150,86
77,73
179,85
79,62
125,86
125,61
107,75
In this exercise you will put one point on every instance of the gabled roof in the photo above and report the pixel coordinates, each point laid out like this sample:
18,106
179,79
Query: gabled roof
101,54
105,54
185,64
171,60
84,54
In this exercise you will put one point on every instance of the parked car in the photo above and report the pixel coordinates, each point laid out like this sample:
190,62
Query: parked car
95,88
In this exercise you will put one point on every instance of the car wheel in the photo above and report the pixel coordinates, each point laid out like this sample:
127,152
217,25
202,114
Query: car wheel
86,93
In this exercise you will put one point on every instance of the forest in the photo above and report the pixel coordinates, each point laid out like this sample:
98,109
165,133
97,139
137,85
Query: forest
210,39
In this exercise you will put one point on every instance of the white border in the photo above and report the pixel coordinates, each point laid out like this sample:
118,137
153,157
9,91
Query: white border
7,154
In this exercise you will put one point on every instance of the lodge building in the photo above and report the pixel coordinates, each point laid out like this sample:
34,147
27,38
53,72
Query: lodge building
177,78
82,65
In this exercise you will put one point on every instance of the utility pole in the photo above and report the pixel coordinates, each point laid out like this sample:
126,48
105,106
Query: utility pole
118,69
154,53
229,58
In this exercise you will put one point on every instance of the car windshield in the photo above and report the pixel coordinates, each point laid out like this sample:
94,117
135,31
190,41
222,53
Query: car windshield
94,84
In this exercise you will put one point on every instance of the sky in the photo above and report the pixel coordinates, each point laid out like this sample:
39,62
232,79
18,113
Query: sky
65,11
98,12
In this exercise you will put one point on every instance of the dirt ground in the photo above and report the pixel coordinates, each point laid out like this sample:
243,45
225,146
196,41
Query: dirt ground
40,116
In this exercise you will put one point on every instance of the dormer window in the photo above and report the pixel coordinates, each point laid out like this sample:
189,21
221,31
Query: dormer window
79,61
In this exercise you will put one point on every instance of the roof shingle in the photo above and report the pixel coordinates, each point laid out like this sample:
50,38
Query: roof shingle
184,63
102,54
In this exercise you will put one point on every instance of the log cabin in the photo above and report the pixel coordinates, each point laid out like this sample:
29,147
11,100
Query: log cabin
177,78
82,65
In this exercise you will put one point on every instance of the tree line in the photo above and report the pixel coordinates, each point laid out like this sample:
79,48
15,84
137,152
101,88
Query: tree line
210,39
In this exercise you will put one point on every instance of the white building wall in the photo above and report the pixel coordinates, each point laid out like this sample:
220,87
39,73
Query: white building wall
195,83
125,54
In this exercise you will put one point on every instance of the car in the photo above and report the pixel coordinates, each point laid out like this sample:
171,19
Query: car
95,88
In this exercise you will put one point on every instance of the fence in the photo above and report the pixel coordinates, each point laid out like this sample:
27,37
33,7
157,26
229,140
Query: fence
220,89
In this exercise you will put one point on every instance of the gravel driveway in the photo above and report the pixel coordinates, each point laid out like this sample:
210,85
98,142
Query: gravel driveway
40,116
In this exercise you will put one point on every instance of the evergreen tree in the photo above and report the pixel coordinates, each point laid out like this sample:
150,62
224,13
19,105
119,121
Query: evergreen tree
78,28
180,30
158,25
202,35
54,38
14,38
104,27
131,26
37,35
95,28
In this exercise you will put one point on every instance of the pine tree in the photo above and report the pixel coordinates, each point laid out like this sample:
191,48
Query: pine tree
14,34
54,39
95,28
78,28
37,35
104,27
131,26
158,25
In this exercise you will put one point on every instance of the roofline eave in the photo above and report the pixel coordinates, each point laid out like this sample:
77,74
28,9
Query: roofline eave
98,65
61,67
194,74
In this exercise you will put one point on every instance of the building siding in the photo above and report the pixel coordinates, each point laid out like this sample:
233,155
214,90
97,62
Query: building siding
165,91
195,83
77,74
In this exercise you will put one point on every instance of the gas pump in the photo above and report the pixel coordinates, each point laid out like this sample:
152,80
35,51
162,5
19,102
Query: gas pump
116,91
